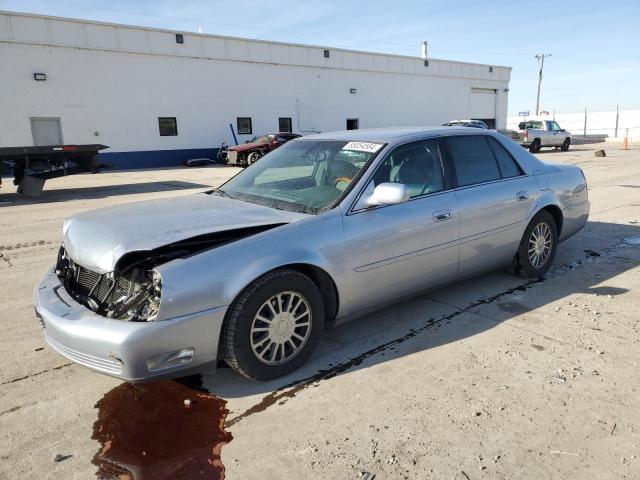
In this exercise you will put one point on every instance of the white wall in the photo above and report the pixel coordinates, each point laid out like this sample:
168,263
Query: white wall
117,80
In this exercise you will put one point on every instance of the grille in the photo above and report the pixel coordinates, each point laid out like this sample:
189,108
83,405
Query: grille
102,288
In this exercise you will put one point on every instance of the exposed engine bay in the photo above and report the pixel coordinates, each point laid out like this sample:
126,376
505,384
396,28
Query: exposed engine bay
133,295
132,292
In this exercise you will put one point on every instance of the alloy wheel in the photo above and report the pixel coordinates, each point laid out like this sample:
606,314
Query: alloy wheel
281,328
540,245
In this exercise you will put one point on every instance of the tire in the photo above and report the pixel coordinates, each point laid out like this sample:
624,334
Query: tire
565,145
251,353
253,158
526,261
535,146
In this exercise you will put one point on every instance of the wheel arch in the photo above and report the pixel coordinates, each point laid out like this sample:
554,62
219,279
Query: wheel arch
318,275
556,213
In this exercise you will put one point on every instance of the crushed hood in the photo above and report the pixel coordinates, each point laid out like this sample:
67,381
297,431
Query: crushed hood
97,239
248,146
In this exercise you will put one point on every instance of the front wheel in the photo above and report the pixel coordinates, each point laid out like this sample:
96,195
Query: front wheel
253,157
565,145
273,326
538,246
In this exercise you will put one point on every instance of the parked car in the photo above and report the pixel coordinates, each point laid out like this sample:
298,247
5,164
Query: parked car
249,152
324,229
535,134
466,123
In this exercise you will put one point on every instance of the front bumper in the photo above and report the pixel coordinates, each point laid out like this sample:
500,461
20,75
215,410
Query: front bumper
232,157
119,348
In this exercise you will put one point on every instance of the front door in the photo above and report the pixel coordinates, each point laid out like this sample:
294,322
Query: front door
397,250
46,131
495,200
558,137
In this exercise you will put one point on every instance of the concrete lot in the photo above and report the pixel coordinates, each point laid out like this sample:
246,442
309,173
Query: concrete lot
479,380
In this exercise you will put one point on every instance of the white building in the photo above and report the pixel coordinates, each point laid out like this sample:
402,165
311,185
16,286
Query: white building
158,96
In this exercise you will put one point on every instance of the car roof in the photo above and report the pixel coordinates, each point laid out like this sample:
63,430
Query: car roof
388,135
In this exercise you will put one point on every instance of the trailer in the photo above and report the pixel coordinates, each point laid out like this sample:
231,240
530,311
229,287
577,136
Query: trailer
32,166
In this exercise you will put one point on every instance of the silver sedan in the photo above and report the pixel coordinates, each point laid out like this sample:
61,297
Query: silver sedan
321,230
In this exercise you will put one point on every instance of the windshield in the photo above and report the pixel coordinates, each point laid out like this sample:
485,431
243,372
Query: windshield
261,139
306,176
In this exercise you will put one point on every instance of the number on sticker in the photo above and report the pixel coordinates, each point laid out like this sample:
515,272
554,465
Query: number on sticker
363,147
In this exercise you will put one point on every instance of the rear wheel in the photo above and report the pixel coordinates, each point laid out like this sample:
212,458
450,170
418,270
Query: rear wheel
273,326
535,146
538,246
565,145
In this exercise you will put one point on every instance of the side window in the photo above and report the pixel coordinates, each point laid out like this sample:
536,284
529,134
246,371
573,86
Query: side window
417,165
555,126
508,166
473,160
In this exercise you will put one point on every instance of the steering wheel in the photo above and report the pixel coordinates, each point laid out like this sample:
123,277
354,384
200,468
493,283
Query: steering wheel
342,171
342,179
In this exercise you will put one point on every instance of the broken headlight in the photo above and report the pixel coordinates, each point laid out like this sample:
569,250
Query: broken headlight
142,302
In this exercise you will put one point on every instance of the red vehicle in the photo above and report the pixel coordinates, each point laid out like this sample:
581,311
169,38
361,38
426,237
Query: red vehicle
249,152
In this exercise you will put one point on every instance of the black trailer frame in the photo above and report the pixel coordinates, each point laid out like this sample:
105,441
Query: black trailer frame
32,166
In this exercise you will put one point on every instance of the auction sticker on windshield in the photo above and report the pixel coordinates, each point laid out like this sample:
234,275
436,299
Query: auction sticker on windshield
363,147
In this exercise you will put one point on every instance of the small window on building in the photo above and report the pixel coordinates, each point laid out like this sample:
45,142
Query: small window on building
284,124
168,126
179,38
243,125
352,123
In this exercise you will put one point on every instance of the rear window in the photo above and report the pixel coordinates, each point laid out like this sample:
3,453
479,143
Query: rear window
531,124
508,166
473,160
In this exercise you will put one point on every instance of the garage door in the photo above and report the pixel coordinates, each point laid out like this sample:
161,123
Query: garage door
483,105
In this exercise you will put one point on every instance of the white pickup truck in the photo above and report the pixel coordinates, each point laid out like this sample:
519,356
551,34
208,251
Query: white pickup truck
536,134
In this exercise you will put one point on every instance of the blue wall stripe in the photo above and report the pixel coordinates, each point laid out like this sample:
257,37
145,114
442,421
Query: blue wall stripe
154,158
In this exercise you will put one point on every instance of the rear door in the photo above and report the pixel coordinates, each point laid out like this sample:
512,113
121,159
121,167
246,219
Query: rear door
495,198
397,250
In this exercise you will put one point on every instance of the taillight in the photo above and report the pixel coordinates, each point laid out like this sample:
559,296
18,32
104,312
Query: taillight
526,134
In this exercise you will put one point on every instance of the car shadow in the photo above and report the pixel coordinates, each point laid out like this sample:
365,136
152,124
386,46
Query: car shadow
103,191
437,317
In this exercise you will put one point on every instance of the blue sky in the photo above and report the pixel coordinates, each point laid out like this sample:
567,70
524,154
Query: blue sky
595,45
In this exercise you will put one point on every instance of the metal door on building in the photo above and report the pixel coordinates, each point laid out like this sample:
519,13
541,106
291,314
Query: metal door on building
482,105
46,131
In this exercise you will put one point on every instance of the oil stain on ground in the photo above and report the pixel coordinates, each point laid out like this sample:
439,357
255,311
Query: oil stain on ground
162,430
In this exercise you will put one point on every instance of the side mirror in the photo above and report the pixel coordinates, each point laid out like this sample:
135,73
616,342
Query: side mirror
388,194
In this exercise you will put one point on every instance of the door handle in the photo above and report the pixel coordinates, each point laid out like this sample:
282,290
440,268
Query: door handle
522,195
441,215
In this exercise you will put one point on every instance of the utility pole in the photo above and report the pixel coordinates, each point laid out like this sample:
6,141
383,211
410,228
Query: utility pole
540,58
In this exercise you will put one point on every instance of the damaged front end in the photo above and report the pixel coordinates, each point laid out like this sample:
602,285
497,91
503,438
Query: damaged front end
131,294
132,291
